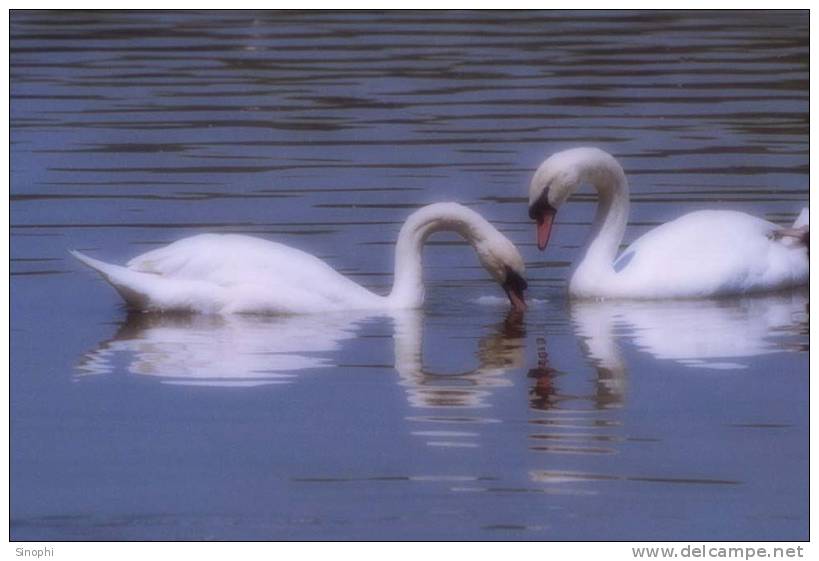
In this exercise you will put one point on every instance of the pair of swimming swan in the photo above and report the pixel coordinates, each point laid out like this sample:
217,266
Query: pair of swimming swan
702,254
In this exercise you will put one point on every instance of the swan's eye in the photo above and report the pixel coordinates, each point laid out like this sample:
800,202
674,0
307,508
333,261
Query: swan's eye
541,206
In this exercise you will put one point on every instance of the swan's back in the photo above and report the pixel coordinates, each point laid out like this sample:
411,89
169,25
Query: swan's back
232,273
707,253
229,258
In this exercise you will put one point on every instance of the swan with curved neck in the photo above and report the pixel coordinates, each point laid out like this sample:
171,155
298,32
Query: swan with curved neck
701,254
230,273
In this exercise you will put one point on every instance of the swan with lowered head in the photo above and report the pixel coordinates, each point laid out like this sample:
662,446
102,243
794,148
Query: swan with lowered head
230,273
701,254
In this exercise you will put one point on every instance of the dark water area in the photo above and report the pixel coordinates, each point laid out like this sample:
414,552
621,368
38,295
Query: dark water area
323,130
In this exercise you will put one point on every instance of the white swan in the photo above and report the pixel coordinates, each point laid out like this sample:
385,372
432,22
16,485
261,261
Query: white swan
229,273
701,254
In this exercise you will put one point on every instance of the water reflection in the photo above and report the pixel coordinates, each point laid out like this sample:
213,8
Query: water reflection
718,334
570,419
577,436
456,396
714,334
248,350
543,393
498,352
609,379
245,351
224,351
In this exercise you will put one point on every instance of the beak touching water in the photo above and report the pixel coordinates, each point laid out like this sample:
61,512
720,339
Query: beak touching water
514,287
516,299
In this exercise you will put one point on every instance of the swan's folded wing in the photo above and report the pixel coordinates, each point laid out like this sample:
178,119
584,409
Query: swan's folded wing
226,259
707,253
266,271
187,257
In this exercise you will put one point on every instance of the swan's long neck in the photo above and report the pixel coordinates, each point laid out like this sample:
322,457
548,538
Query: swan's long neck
408,287
611,218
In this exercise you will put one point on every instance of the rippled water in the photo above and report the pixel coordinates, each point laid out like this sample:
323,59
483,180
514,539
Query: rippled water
323,130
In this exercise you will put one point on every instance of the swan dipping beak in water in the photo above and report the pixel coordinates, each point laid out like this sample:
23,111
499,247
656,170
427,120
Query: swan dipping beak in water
231,273
701,254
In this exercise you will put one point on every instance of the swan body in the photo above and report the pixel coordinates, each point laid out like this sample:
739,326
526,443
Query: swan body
701,254
231,273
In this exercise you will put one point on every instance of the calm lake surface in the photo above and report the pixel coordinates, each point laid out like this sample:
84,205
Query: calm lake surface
583,421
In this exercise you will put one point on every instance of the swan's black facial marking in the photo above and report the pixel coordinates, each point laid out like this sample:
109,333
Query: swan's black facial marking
541,206
514,285
514,281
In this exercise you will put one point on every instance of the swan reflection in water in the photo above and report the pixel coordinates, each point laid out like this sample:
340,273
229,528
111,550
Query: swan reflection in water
248,350
714,334
452,406
223,351
454,410
498,352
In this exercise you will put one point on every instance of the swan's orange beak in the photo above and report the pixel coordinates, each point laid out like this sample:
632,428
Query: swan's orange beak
544,227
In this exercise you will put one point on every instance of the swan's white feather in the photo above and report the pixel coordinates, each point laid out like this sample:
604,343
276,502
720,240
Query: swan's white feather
704,253
256,275
229,273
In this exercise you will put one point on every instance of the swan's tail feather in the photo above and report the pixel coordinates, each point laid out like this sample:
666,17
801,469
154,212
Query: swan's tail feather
802,227
101,267
797,235
124,280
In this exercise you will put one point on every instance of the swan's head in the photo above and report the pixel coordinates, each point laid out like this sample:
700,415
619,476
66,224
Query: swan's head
556,179
496,252
503,262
